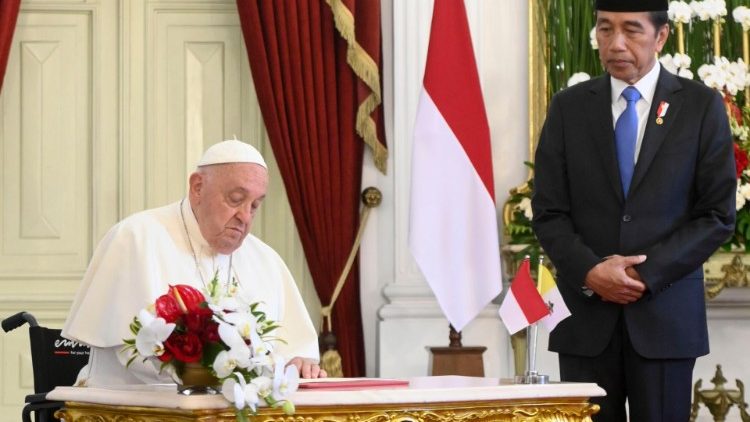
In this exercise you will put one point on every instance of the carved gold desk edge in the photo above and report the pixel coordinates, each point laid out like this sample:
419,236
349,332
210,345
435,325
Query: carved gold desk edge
543,410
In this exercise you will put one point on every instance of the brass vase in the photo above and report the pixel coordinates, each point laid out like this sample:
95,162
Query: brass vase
197,379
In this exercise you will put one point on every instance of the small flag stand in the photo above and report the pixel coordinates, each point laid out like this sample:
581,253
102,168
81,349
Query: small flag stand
532,376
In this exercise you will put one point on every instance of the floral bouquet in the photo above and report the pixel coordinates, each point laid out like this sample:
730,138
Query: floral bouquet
221,332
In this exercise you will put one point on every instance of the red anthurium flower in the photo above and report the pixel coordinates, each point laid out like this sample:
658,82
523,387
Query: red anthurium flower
167,308
188,298
740,160
185,347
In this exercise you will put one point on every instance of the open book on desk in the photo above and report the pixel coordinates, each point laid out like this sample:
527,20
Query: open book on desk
352,383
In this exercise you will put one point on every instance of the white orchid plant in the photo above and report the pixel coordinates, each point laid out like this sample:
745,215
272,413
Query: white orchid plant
707,9
225,333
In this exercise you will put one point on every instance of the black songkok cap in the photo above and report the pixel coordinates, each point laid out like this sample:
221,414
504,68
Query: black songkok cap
632,5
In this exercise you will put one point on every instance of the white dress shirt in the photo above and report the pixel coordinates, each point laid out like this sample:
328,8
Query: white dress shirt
646,86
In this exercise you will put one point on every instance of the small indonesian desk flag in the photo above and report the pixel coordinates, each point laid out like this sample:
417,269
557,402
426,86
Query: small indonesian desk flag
551,295
453,220
522,305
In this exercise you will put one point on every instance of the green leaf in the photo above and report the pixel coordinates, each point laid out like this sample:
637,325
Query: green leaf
210,351
241,415
132,358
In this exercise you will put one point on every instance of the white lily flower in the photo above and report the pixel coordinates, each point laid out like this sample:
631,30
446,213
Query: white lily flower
239,352
230,335
741,15
724,75
716,8
525,207
223,305
264,385
578,78
261,349
699,10
232,391
685,73
251,396
285,379
680,11
244,322
745,190
668,62
150,338
229,360
263,364
740,200
240,393
681,60
709,9
146,317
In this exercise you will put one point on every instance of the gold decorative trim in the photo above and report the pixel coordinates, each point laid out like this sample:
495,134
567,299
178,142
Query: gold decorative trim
367,70
734,272
525,410
719,400
537,73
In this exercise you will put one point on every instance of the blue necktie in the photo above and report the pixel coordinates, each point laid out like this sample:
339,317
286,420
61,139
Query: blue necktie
626,134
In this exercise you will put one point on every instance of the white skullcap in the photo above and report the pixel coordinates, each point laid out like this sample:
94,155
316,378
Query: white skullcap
232,151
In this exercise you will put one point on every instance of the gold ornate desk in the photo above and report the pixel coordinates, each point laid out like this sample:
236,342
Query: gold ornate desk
439,399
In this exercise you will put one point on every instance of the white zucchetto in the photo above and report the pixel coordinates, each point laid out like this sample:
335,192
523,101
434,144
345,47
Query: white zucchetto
231,151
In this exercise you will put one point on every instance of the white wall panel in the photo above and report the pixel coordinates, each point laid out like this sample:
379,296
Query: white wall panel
198,79
48,138
46,142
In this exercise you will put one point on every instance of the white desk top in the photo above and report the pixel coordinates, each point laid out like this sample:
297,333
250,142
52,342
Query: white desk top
420,390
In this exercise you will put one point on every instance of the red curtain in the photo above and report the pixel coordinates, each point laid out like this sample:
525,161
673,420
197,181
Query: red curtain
8,16
309,97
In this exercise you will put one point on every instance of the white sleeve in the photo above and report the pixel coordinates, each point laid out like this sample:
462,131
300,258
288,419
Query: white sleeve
117,285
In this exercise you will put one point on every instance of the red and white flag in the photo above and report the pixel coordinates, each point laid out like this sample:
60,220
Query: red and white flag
522,305
453,222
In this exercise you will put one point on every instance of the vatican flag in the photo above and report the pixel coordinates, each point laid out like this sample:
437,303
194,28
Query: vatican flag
553,299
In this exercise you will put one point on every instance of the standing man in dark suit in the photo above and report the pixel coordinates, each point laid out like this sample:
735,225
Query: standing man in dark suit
634,189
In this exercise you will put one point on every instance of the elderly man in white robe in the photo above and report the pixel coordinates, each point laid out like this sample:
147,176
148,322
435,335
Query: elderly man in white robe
187,243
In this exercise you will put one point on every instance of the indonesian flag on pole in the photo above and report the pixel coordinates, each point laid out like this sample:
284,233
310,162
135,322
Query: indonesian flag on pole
522,305
453,224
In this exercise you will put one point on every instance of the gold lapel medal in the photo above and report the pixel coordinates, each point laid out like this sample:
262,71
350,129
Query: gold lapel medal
661,112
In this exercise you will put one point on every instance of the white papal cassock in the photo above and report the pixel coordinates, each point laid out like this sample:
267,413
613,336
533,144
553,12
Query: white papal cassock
137,260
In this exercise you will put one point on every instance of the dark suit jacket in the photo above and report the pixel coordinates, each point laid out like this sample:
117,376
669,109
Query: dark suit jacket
680,209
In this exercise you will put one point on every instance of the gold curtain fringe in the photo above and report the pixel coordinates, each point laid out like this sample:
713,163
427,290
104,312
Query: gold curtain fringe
367,70
368,131
364,66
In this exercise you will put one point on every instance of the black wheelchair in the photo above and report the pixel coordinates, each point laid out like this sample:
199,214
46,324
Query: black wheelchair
55,361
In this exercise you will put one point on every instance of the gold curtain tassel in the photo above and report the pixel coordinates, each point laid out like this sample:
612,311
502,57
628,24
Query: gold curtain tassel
331,359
